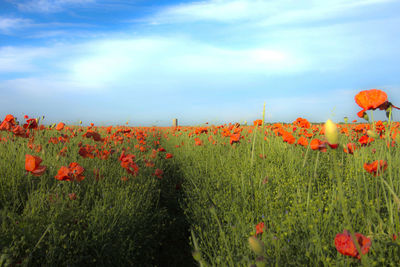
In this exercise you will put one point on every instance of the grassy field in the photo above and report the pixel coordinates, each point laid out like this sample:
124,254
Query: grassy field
227,195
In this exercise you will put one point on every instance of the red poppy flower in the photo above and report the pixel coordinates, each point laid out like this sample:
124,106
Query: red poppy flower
350,148
376,167
257,123
72,196
288,137
371,100
365,140
19,131
168,156
198,142
317,144
302,141
30,124
128,163
60,126
62,151
234,138
260,228
64,174
71,173
86,151
94,135
159,173
346,245
32,165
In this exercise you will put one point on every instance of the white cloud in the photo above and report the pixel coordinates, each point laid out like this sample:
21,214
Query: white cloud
50,6
22,59
259,11
7,25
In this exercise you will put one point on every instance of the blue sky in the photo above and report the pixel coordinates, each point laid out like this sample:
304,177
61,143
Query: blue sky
147,62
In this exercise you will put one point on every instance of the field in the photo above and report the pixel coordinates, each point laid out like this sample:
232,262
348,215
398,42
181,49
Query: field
298,194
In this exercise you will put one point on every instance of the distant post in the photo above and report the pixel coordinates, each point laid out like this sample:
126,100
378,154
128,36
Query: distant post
175,122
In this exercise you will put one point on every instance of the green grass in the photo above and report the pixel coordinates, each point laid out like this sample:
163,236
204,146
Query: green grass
209,200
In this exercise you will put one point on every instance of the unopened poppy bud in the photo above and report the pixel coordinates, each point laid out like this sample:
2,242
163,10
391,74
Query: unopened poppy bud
80,122
346,119
256,245
53,125
372,134
331,132
365,116
388,111
197,255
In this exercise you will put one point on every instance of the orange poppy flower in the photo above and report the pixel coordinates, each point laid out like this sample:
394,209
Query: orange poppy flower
257,123
317,144
302,141
365,140
198,142
260,228
77,171
32,165
376,167
349,148
288,137
19,131
128,163
371,100
168,156
71,173
64,174
346,245
234,138
60,126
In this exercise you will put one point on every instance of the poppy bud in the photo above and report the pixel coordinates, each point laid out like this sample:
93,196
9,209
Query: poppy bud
346,119
372,134
388,111
256,245
365,116
331,132
197,255
80,122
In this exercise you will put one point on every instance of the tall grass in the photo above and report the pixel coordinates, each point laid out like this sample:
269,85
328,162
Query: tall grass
208,201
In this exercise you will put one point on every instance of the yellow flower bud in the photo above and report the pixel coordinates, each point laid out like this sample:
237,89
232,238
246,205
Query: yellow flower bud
331,132
256,245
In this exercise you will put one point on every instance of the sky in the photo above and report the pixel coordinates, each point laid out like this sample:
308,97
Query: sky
146,62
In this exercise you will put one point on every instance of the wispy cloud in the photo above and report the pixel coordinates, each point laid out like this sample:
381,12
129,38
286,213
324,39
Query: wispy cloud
50,6
8,25
260,11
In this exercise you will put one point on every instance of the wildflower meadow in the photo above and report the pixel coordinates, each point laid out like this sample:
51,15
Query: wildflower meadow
266,194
